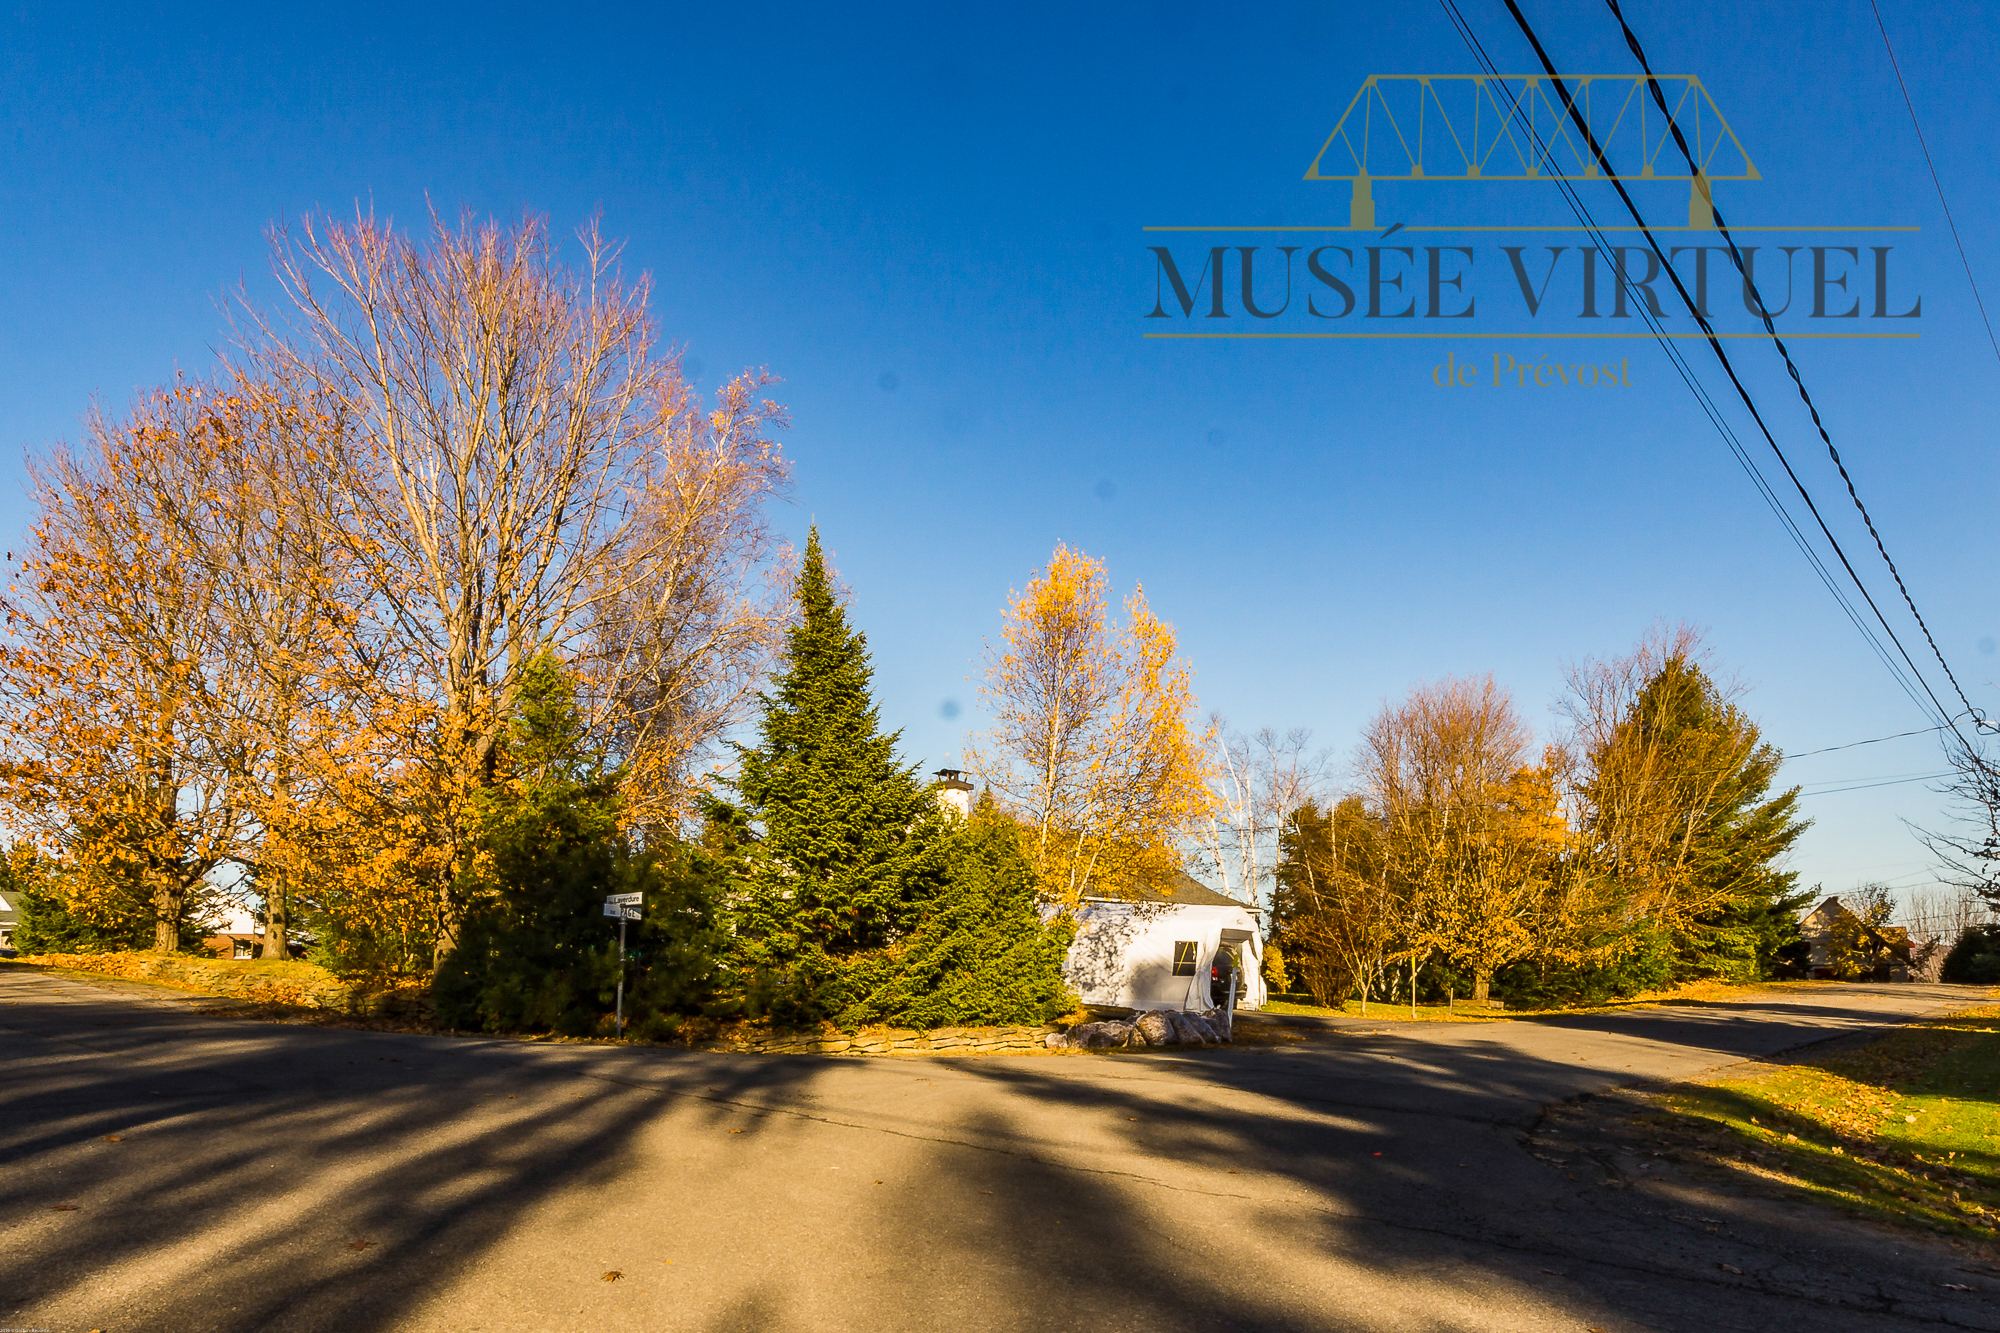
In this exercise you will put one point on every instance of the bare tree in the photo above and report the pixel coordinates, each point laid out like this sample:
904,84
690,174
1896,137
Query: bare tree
697,601
1970,850
1934,917
520,463
1261,781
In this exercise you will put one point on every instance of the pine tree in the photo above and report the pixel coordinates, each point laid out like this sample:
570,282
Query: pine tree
536,952
981,952
850,845
1711,772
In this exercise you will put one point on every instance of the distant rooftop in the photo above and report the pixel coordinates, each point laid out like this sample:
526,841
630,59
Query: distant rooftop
1177,887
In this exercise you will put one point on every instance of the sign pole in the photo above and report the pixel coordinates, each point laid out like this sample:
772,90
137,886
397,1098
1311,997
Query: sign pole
626,907
621,978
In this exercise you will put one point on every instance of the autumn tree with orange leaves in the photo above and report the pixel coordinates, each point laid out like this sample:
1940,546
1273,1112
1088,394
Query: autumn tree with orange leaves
118,687
527,472
269,630
1093,748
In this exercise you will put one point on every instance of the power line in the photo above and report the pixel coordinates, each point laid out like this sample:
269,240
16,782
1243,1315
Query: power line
1923,731
1770,328
1674,356
1715,344
1885,782
1935,182
1708,404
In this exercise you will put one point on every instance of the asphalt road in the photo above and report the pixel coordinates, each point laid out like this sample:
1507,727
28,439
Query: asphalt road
160,1170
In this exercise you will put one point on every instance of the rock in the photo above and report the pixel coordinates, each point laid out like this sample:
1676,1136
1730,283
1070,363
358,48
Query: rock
1185,1032
1154,1028
1200,1023
1098,1036
1056,1041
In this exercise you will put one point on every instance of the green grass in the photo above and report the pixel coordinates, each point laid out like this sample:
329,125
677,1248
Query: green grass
1904,1129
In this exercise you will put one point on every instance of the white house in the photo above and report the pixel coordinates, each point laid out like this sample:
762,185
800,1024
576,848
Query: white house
1157,949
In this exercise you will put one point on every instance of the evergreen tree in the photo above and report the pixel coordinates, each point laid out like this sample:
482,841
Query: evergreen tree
1707,777
980,952
849,845
536,952
122,918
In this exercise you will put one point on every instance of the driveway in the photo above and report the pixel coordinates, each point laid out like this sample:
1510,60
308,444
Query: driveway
168,1171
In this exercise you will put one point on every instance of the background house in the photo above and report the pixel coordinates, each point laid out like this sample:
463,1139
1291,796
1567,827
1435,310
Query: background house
10,917
1844,944
1157,948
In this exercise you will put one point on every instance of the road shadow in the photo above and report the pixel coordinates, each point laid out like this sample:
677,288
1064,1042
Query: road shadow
192,1173
285,1178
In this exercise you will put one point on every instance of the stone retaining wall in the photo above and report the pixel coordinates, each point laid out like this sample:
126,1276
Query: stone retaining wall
894,1041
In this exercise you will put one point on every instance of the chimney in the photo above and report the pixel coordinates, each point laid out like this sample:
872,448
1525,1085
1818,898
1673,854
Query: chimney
954,792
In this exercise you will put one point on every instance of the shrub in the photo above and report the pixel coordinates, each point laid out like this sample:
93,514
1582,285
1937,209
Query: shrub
981,952
1975,958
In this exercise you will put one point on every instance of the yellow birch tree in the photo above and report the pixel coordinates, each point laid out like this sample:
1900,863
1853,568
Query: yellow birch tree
1094,747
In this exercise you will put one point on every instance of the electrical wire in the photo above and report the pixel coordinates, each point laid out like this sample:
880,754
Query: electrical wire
1923,731
1937,710
1885,782
1936,184
1674,355
1770,328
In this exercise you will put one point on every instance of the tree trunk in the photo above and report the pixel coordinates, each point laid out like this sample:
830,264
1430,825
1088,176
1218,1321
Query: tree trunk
1482,981
276,944
167,903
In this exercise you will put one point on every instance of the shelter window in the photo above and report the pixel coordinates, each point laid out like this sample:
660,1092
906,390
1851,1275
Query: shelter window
1184,952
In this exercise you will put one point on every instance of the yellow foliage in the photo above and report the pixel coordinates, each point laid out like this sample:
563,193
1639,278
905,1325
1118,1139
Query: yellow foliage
1093,747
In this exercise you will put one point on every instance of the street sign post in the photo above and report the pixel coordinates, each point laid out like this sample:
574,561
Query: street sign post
626,907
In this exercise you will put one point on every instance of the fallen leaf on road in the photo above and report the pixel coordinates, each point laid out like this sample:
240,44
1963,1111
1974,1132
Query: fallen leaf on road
735,1131
613,1275
1729,1268
114,1138
62,1208
1555,1272
1956,1286
358,1245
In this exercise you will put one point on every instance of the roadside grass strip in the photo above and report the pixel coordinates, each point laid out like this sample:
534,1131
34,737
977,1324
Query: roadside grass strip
1903,1129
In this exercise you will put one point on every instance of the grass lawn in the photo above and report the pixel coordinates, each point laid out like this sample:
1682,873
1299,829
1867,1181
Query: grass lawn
1465,1011
1905,1128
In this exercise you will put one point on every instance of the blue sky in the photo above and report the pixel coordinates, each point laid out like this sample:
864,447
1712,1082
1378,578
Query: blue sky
930,224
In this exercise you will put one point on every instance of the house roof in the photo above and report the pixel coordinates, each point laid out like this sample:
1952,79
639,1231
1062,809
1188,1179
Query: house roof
1180,888
1820,921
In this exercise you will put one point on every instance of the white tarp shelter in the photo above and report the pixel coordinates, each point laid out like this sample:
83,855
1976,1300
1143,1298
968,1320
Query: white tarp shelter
1156,949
